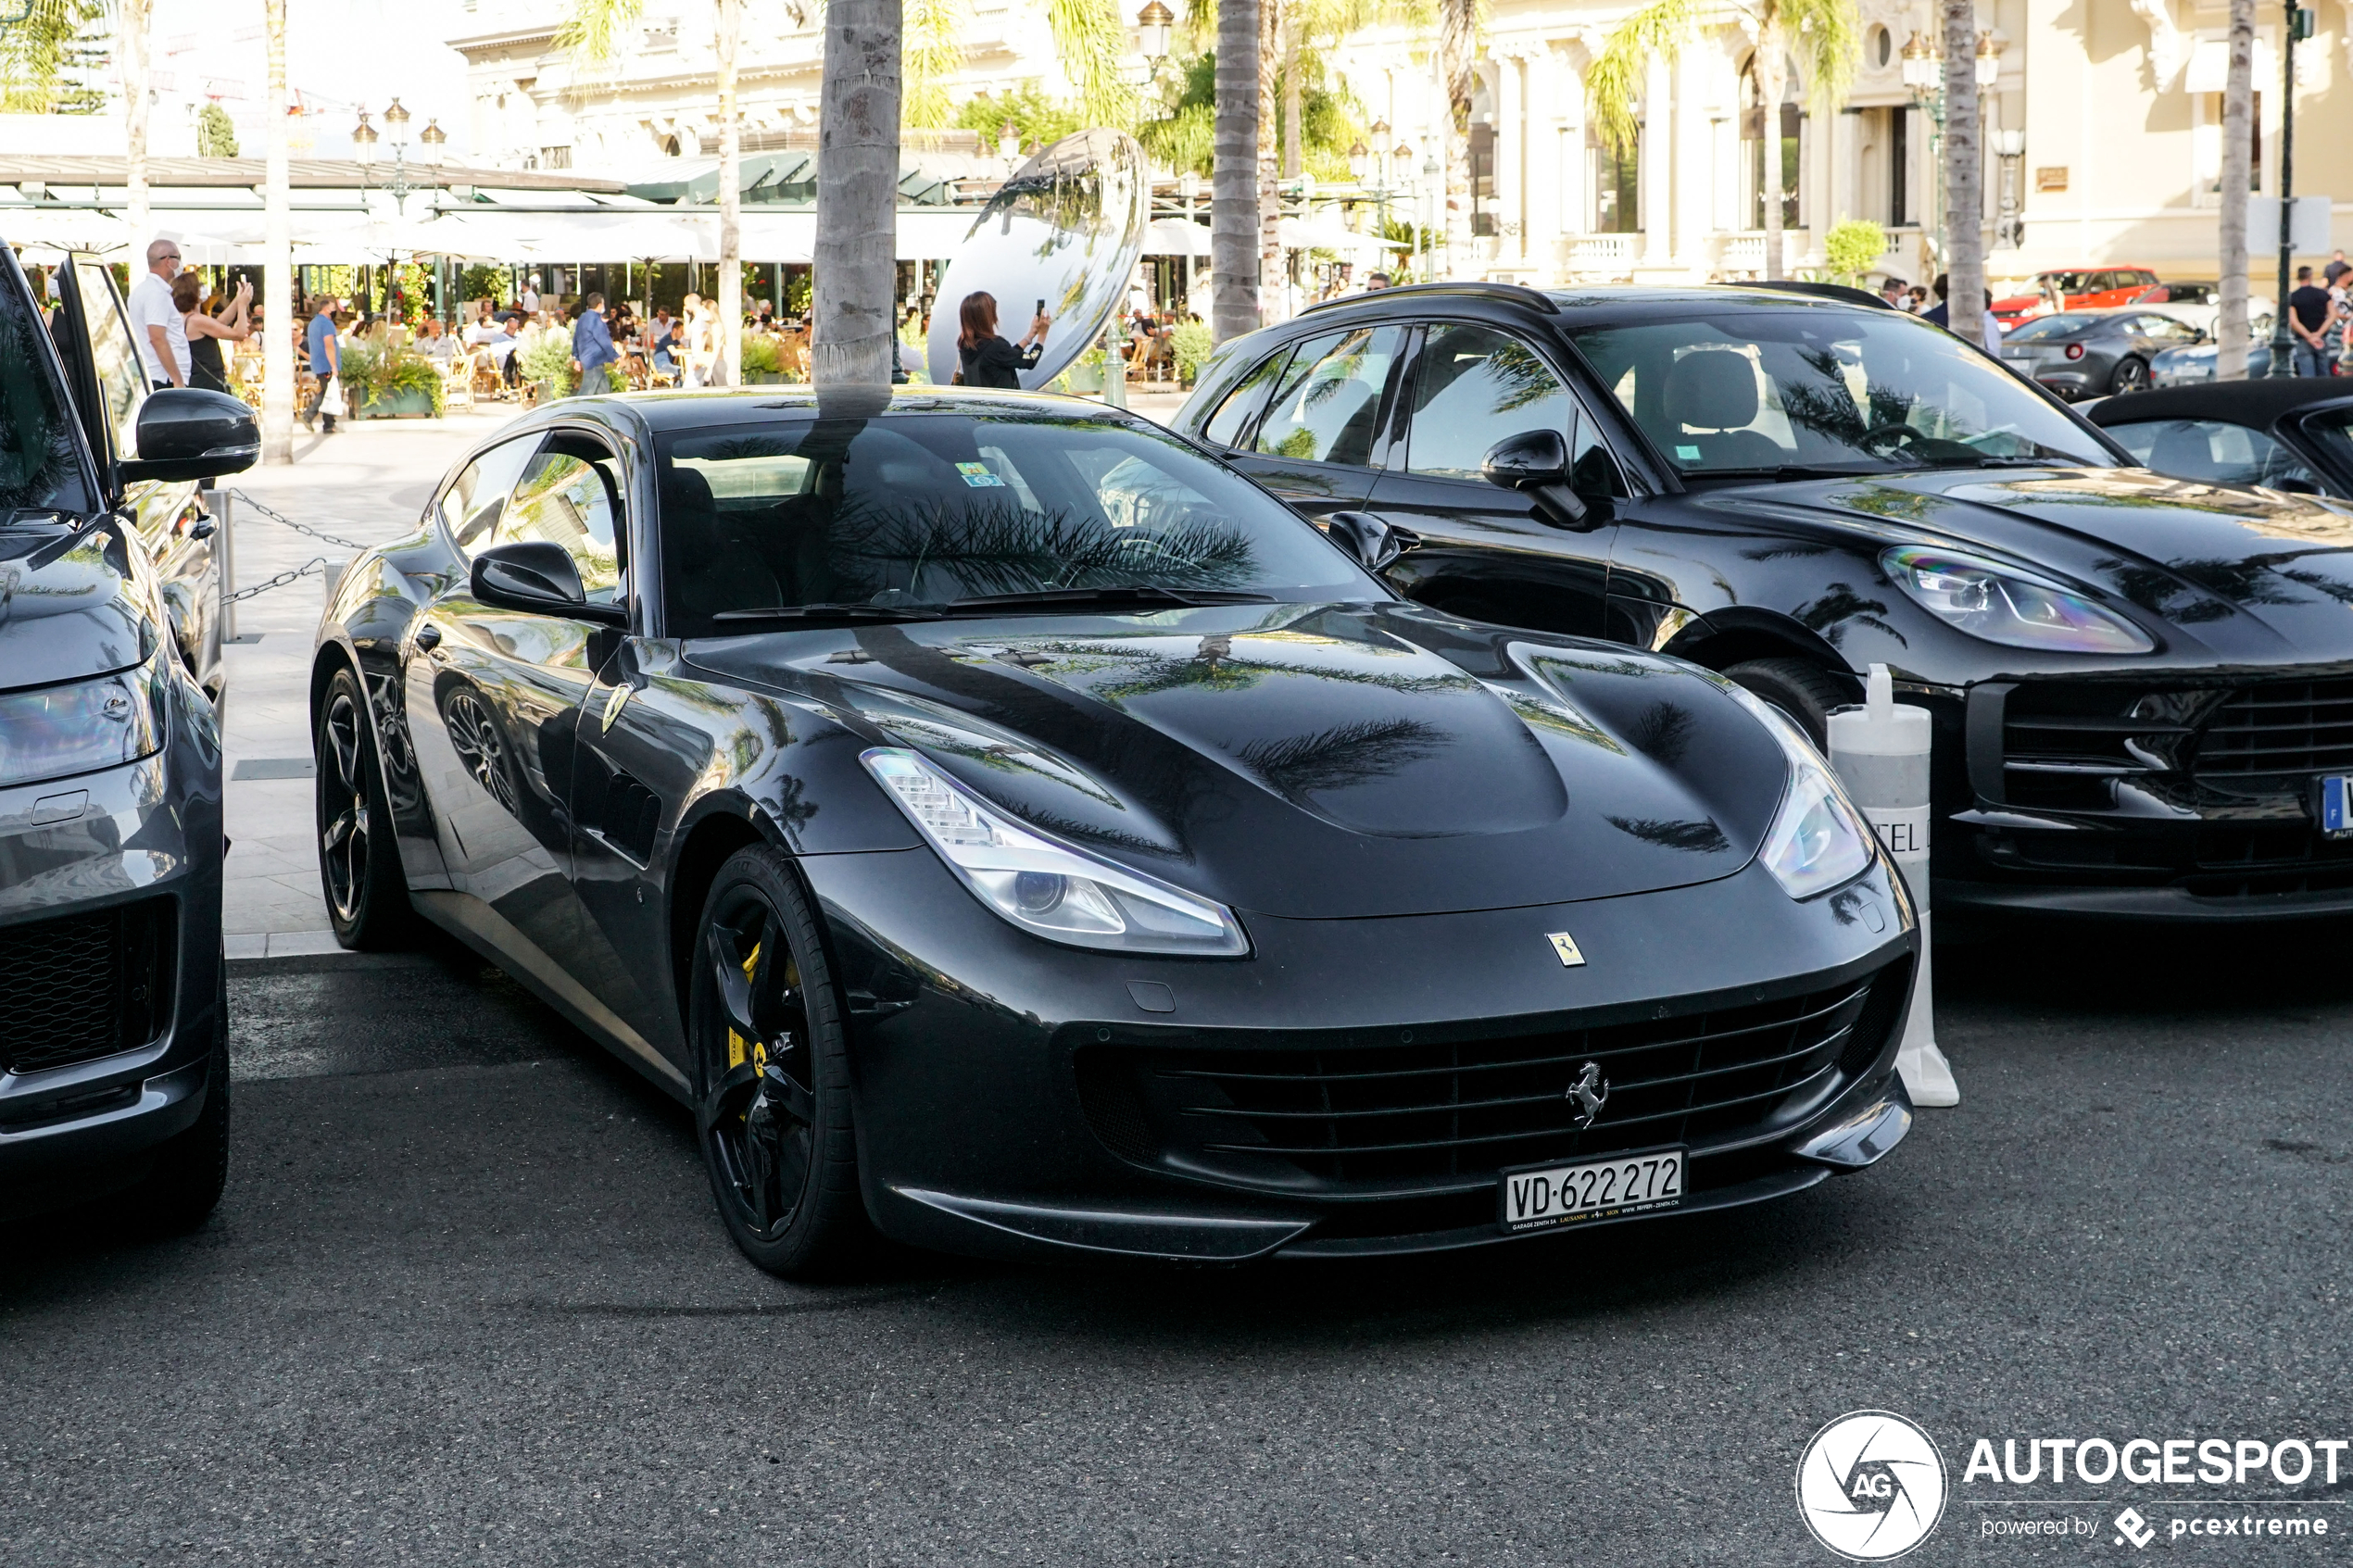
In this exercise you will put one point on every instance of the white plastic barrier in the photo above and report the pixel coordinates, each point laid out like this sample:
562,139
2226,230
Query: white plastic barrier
1880,752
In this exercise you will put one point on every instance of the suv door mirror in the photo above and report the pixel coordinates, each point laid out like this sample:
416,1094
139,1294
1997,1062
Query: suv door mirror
1371,541
541,578
187,432
1537,461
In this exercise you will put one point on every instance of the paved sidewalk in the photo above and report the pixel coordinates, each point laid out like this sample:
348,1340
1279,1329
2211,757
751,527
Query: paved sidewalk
369,482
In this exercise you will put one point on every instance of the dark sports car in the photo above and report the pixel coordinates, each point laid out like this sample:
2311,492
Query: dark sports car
2094,353
2142,688
1004,826
2288,433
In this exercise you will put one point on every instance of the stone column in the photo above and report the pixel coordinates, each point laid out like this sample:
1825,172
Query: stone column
1657,170
1509,203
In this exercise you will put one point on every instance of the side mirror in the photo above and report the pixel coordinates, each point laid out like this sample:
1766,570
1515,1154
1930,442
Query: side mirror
1537,462
541,578
1371,541
186,432
2297,487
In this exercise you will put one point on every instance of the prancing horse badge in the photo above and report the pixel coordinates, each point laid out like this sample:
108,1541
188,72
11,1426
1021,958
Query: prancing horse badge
1565,946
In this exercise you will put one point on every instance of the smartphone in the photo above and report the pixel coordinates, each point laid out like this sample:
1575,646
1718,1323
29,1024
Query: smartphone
1042,309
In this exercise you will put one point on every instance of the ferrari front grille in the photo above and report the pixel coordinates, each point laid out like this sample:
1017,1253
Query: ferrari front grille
1359,1115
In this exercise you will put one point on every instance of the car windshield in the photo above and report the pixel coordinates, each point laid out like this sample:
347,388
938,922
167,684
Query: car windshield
2068,283
40,463
1853,390
2334,428
903,511
2065,325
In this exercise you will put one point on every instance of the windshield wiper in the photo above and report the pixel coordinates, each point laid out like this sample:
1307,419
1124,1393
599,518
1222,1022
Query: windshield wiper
1107,597
832,612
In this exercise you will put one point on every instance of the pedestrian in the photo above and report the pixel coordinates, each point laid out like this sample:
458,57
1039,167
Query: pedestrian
326,364
1381,280
1916,299
2308,317
205,330
530,300
1989,330
592,349
159,326
984,358
1892,289
701,347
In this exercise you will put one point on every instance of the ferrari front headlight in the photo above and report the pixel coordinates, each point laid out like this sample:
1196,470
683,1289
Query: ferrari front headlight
1819,840
1045,886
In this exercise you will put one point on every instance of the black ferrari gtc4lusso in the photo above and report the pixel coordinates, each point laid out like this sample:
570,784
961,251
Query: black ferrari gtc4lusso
1009,828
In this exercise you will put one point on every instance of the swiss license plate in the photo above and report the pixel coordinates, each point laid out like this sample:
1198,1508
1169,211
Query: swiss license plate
2336,806
1544,1196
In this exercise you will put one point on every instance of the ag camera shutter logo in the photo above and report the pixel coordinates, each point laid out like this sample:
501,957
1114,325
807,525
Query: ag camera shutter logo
1870,1486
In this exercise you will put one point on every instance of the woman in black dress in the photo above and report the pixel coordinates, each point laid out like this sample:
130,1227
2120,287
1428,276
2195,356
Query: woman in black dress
985,360
206,331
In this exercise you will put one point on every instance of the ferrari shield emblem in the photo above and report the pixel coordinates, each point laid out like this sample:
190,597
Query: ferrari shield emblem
1565,946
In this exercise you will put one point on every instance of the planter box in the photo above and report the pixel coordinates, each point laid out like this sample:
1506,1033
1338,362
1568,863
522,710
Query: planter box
763,378
405,405
1084,378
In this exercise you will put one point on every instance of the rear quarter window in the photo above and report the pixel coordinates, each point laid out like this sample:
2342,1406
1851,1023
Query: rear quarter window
40,445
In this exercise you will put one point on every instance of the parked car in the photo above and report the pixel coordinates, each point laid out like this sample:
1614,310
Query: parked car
2288,434
1009,828
2080,354
2193,365
2081,289
114,1080
2122,670
2201,303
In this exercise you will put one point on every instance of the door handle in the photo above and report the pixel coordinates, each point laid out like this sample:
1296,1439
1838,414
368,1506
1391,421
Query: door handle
428,637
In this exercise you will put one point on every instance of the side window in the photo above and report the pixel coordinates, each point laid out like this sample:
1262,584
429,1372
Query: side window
40,460
1475,387
122,383
2165,329
570,500
470,507
2211,451
1225,427
1330,397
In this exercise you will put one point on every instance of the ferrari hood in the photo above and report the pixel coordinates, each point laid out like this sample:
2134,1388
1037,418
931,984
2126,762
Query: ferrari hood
1329,761
2242,574
71,616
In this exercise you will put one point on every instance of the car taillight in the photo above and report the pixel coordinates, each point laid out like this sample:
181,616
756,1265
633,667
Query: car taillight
2075,351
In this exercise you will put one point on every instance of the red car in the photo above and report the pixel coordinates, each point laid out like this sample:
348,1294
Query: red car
2084,288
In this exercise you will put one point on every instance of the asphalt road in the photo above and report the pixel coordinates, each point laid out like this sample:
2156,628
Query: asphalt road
467,1301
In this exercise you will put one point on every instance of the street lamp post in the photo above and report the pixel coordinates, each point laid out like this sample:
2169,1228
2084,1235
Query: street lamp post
2009,145
397,132
1432,173
2299,26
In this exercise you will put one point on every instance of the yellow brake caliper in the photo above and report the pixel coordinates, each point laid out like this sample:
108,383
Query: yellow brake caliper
735,1044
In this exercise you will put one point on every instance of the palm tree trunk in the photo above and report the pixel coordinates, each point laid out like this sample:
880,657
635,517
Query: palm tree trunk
1271,276
133,30
277,256
1772,82
2238,168
1233,184
857,196
1294,106
1458,49
1963,177
731,202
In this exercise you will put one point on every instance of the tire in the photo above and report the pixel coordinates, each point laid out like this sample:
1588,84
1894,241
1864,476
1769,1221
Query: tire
2131,375
183,1185
773,1116
359,871
1800,688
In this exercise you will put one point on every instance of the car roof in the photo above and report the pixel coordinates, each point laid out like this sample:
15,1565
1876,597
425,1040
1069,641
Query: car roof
1575,307
2252,403
701,408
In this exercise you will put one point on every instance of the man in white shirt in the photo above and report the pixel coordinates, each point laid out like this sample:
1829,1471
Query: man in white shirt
157,325
530,301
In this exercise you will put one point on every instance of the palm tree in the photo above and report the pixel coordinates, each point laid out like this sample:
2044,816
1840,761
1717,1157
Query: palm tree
2238,176
591,33
1823,32
1963,177
133,26
857,196
1459,24
277,268
1234,211
1090,41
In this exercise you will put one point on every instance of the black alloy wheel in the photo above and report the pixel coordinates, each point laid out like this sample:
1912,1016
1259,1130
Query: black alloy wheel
1804,691
358,857
772,1077
2131,375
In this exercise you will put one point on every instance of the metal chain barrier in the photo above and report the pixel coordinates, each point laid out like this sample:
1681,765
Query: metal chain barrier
311,568
302,528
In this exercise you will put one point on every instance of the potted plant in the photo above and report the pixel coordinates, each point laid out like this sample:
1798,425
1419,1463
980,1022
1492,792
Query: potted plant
761,367
1191,342
546,365
391,383
1087,375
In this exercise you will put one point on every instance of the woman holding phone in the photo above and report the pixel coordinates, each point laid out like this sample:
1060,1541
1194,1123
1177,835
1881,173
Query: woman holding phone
984,358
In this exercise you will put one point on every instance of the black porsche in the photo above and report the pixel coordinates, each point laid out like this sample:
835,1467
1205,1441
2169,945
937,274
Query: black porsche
1007,828
2143,688
2286,432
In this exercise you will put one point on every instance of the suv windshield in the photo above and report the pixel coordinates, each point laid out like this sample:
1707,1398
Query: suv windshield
1853,390
40,455
909,511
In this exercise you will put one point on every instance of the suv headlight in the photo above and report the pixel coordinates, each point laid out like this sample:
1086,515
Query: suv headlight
2009,605
1819,840
1048,888
57,732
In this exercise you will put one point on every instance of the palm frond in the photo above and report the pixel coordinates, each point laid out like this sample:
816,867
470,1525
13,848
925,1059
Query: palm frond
1090,37
932,51
1826,38
1614,84
591,31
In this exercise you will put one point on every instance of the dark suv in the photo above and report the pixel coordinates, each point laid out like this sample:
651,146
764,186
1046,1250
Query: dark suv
2143,688
113,1009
